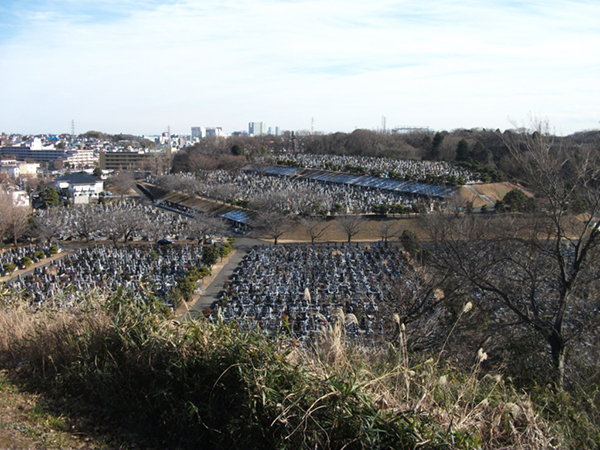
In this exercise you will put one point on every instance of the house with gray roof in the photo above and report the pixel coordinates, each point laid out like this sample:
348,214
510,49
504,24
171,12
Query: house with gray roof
81,187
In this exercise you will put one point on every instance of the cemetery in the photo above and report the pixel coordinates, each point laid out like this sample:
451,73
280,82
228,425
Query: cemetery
139,271
301,288
400,169
312,187
295,288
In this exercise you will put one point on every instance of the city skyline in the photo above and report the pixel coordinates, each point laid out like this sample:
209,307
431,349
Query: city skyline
139,66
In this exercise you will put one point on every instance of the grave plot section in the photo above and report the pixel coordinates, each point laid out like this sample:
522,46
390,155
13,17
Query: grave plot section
137,271
300,289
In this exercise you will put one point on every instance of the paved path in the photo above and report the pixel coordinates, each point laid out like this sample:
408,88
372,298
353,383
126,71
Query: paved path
211,292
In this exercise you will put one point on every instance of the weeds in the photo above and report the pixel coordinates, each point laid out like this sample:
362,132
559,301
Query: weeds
194,384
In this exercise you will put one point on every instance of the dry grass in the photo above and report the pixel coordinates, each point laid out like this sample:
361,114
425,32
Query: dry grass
28,334
479,193
195,384
483,410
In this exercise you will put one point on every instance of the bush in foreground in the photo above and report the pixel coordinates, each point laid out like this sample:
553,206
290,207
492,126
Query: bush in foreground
200,385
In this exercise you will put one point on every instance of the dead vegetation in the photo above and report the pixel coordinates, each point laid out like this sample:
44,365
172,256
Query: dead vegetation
193,384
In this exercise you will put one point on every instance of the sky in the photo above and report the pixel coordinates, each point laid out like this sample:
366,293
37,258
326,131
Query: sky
141,66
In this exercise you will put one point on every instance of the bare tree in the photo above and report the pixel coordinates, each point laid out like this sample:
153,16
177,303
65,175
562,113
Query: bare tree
203,226
197,162
315,228
539,269
87,221
569,179
50,224
273,225
351,225
275,202
231,162
14,219
133,223
305,202
122,224
177,182
5,204
156,163
124,181
155,230
388,229
222,192
417,302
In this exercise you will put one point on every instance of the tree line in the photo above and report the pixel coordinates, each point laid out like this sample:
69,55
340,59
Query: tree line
484,151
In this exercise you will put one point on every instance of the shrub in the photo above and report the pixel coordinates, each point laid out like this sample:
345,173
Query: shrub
225,250
210,255
25,261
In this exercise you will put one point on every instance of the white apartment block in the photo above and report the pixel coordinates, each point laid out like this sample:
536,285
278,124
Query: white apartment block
203,132
257,128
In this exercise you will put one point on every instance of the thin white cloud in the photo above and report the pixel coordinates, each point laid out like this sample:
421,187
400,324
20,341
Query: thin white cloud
140,65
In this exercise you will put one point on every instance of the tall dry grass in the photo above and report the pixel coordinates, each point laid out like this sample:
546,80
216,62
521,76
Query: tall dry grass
477,410
50,335
194,384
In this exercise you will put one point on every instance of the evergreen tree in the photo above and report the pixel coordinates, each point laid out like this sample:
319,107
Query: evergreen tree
462,151
480,154
237,150
515,200
50,197
438,138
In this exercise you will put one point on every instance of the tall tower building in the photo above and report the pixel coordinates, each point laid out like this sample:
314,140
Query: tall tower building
257,128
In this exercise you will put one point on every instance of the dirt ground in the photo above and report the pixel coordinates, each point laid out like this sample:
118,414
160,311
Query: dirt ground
483,194
370,232
479,194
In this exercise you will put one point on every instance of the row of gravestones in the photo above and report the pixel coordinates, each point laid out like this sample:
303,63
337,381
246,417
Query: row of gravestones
106,269
303,288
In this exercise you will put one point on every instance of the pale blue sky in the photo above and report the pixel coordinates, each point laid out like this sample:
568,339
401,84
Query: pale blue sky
137,66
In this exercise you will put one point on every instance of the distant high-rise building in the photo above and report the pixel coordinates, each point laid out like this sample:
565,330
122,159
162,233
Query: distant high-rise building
276,131
198,133
202,132
257,128
214,131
